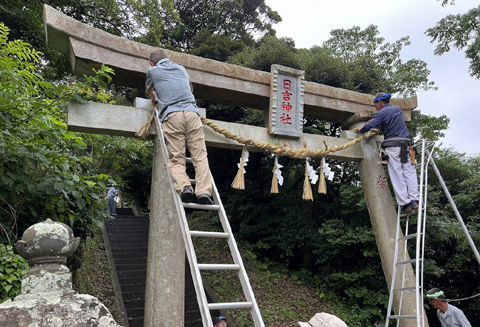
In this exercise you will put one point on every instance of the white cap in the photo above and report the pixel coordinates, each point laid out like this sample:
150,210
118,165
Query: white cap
323,320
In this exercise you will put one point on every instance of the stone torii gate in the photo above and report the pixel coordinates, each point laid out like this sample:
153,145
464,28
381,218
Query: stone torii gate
88,48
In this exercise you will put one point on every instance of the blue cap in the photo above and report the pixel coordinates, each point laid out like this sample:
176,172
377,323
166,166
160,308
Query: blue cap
218,319
381,96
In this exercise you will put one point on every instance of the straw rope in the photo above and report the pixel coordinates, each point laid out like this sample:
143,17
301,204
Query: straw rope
286,152
283,151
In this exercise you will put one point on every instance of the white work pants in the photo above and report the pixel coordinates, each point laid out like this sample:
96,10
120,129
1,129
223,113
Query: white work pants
403,177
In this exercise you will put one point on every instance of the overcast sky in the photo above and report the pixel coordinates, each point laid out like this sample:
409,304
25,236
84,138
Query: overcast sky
309,22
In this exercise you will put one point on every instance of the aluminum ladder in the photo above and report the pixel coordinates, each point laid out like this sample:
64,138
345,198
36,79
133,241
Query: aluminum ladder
196,267
401,261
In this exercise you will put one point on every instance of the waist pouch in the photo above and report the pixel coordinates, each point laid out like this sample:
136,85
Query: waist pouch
403,143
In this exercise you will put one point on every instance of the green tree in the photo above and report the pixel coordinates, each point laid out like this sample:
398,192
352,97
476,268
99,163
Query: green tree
459,31
268,51
40,175
376,64
216,47
235,19
428,127
138,20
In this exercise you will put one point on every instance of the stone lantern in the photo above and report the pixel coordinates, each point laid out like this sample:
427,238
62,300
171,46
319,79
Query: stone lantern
47,297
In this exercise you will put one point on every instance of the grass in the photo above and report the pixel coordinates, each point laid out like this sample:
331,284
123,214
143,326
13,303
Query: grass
282,301
93,277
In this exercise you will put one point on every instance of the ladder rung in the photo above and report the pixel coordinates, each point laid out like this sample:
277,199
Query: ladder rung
204,266
404,289
209,234
188,159
192,181
404,317
231,305
407,237
408,261
201,206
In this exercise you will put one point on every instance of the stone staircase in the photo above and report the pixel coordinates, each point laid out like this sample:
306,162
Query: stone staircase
126,242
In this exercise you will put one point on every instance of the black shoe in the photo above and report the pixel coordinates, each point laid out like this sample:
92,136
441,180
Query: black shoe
414,205
187,195
205,199
406,209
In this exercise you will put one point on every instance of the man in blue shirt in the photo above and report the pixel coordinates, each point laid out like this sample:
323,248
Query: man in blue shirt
168,85
447,314
396,145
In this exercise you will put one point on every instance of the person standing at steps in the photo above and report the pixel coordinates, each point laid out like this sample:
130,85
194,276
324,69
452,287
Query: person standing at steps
168,85
111,204
398,148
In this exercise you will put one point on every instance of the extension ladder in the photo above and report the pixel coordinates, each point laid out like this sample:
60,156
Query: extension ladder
196,267
402,261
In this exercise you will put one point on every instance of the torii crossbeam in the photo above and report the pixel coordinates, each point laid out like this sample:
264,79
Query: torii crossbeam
218,82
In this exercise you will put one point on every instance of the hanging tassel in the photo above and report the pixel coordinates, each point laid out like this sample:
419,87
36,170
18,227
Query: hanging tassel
274,188
239,181
322,185
307,189
277,176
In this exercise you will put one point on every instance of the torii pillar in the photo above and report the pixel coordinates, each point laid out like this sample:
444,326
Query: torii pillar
219,82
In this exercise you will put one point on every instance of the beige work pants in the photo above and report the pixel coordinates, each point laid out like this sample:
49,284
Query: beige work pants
184,130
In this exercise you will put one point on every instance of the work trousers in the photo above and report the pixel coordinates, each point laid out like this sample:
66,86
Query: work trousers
111,206
184,130
403,177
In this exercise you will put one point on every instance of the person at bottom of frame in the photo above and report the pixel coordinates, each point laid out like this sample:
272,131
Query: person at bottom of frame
447,314
220,321
168,85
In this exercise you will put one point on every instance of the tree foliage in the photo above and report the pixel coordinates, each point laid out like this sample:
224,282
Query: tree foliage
235,19
376,64
138,20
459,31
428,127
41,175
12,269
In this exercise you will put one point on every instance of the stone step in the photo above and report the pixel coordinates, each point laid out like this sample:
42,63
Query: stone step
131,273
125,211
134,304
129,246
133,296
133,288
136,313
133,255
128,238
135,322
132,267
127,220
132,260
138,226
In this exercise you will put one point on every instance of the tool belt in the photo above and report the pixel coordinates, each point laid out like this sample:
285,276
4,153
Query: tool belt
406,148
